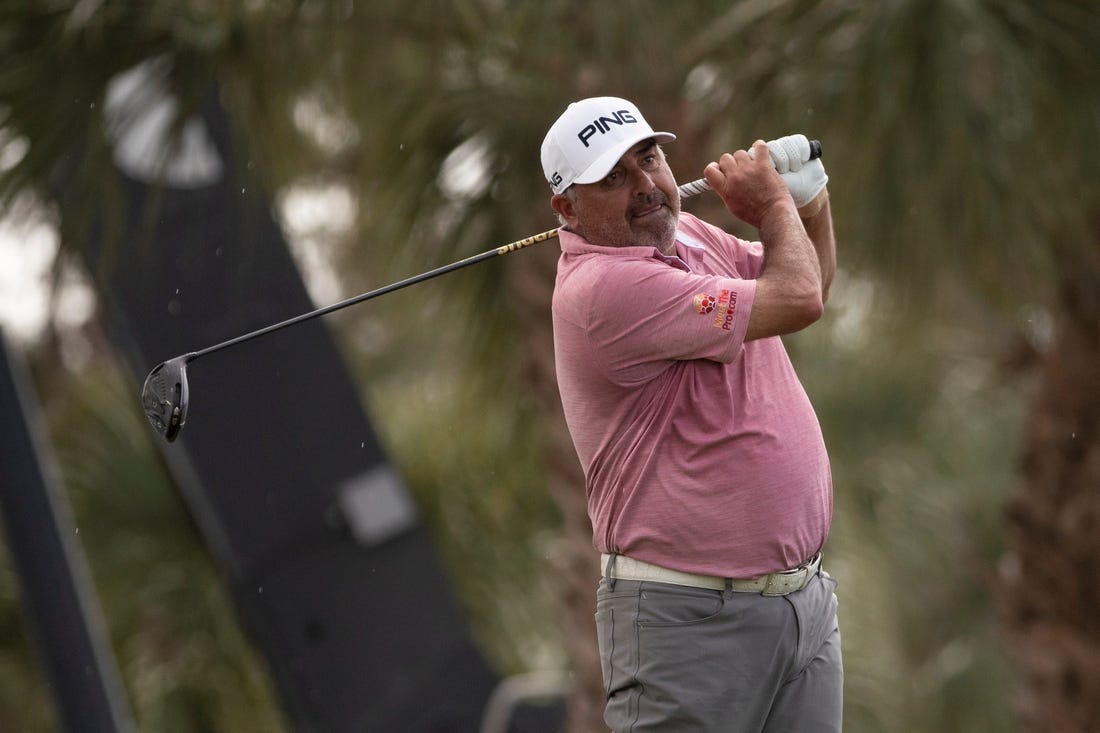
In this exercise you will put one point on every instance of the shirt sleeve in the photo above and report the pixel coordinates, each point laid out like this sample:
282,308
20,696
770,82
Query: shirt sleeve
747,257
644,315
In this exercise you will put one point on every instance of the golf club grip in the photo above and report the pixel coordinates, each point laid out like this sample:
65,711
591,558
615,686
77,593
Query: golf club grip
694,188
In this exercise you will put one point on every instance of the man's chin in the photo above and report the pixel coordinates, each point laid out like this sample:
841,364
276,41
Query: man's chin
655,231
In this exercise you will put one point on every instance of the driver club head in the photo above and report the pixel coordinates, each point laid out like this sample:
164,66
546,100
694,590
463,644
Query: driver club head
164,397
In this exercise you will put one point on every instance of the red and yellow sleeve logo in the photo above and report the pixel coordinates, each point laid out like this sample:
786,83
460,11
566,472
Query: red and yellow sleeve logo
725,305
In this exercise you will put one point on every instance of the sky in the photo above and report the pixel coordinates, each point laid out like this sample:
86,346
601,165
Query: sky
28,249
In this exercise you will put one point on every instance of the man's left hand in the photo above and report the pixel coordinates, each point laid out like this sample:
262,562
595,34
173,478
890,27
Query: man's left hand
805,178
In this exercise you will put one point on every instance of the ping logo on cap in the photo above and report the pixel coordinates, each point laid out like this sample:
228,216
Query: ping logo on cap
603,124
589,137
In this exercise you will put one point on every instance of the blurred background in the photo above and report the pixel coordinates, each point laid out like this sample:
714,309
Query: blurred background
158,160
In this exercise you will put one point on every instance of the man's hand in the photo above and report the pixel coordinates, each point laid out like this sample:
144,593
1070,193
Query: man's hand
748,183
756,187
804,177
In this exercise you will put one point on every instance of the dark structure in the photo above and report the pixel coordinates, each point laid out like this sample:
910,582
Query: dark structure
319,540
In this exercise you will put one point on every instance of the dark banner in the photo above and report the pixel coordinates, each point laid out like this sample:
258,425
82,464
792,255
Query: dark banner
319,539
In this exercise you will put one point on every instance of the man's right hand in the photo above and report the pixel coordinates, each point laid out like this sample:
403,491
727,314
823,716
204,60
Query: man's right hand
748,183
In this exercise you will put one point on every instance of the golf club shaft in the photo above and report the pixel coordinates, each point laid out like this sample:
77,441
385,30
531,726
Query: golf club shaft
472,260
687,190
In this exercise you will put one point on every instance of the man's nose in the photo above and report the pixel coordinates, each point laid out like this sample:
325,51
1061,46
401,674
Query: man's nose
641,181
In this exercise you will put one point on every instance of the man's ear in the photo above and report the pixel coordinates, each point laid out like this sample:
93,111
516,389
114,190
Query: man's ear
565,207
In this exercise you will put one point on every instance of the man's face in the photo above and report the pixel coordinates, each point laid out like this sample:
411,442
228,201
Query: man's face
635,205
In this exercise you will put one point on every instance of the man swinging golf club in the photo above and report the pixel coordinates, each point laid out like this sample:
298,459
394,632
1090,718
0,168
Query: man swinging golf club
708,483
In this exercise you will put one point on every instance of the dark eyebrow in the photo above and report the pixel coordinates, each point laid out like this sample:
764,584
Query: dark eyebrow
642,149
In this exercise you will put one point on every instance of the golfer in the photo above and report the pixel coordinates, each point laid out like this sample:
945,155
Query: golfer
707,478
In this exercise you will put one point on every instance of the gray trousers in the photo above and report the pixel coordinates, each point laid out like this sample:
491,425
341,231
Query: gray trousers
689,659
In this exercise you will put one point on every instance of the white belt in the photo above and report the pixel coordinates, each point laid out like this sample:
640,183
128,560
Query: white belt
622,567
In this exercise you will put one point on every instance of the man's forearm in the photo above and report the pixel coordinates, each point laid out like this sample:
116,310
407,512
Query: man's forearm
817,218
788,289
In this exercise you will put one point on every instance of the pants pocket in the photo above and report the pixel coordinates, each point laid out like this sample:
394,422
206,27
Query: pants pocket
672,605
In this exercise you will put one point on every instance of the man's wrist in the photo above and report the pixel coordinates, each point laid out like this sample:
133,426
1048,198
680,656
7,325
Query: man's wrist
778,211
812,209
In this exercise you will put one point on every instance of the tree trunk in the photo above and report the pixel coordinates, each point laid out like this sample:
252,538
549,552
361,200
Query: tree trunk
1051,587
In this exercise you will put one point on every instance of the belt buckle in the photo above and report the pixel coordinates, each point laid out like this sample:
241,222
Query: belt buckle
794,580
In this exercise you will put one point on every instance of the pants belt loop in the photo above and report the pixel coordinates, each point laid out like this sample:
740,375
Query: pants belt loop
608,569
729,588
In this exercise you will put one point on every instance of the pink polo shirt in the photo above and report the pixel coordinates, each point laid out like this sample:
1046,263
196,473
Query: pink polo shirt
701,452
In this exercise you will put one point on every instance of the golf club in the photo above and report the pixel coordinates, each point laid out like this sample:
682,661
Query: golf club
165,397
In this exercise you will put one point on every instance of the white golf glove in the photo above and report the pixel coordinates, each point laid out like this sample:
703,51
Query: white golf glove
804,177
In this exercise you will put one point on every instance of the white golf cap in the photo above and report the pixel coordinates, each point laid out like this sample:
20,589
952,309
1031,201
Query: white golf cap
586,142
